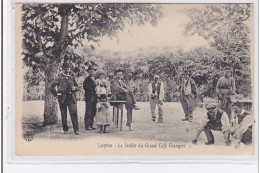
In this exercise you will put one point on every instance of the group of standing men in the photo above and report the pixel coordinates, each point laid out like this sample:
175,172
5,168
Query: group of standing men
218,116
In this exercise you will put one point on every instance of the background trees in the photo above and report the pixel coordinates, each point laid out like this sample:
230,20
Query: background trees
51,32
56,33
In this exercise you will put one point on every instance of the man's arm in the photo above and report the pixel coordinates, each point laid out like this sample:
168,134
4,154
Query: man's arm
75,85
233,83
193,87
161,96
52,86
115,87
243,126
218,85
225,122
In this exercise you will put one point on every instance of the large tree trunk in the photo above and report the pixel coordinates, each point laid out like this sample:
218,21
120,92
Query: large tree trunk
50,104
51,70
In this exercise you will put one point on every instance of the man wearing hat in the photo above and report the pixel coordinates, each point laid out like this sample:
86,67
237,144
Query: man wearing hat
225,89
120,91
156,93
242,125
188,92
66,94
216,119
89,86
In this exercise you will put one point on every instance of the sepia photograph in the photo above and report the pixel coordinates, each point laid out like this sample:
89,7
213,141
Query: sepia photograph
134,79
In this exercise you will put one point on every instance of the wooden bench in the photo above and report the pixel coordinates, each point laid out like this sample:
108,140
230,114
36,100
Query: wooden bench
117,105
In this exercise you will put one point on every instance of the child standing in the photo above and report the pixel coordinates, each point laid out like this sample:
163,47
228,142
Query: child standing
102,117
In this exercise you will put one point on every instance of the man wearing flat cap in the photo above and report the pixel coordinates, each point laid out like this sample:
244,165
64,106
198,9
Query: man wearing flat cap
215,119
188,92
156,93
66,94
89,86
225,89
242,125
121,91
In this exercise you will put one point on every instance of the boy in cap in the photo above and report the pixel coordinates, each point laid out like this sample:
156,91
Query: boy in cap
216,119
89,86
188,92
156,93
225,89
242,126
66,94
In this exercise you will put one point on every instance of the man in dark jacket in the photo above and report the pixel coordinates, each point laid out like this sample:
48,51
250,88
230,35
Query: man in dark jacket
121,91
66,94
90,98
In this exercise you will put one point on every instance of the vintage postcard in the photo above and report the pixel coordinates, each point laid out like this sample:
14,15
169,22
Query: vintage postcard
126,79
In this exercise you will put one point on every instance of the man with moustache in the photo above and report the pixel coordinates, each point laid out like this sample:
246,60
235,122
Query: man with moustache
121,91
156,93
66,94
89,86
225,89
242,125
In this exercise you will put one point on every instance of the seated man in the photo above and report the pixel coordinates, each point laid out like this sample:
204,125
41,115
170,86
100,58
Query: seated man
216,119
120,91
242,127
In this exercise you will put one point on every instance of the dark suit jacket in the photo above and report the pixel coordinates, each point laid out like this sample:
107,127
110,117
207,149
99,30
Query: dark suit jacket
64,85
117,88
90,90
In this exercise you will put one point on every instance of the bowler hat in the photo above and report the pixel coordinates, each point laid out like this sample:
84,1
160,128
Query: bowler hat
119,70
186,72
91,67
237,103
65,65
227,68
211,106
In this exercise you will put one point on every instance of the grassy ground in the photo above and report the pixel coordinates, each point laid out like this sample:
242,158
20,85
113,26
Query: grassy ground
173,129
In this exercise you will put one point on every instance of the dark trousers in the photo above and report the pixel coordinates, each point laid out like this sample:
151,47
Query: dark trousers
207,131
247,137
73,114
130,101
90,112
186,102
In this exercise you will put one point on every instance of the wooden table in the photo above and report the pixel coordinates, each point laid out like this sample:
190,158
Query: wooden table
117,104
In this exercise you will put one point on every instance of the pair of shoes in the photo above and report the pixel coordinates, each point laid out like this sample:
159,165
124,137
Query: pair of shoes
194,141
88,128
190,119
153,119
227,143
185,119
66,132
136,108
209,143
130,128
77,132
92,128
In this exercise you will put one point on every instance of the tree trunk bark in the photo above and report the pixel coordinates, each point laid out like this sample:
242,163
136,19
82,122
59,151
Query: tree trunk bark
50,104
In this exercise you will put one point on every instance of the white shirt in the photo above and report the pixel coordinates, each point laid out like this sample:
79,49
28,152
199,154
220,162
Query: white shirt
242,127
224,122
161,96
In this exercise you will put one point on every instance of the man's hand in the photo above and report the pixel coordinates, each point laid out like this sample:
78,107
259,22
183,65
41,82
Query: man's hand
152,95
237,146
73,88
194,141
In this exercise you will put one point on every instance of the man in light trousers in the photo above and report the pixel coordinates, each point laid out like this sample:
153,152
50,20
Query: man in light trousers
156,93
